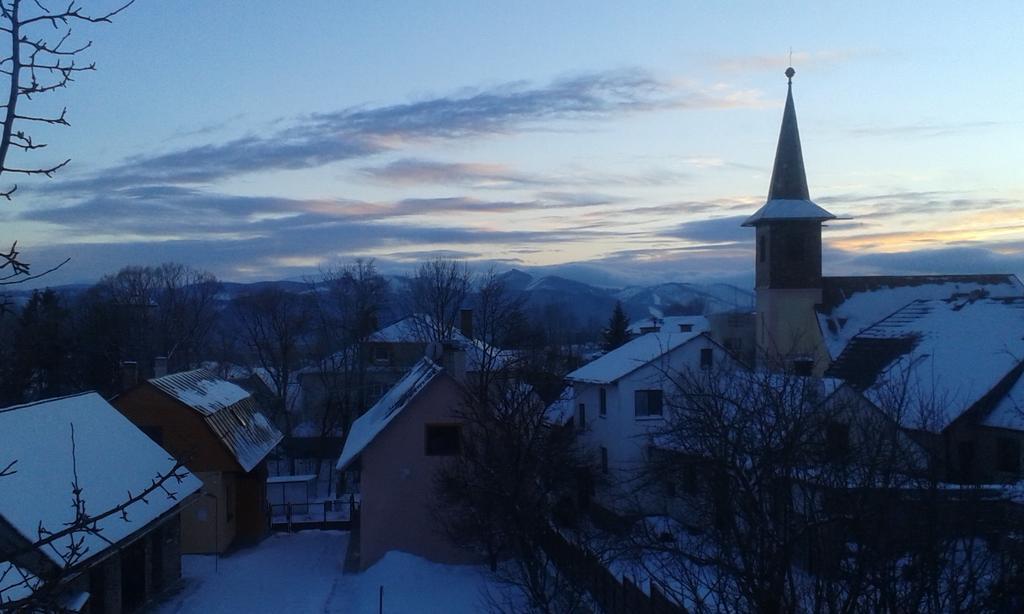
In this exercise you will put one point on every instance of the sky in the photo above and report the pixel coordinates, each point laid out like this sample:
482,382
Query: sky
619,144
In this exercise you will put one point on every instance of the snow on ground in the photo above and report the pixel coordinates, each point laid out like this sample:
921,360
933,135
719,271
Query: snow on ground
302,572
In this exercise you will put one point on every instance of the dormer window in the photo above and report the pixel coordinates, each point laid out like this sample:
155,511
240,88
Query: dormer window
706,358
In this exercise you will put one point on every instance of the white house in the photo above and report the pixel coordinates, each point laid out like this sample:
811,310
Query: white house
620,398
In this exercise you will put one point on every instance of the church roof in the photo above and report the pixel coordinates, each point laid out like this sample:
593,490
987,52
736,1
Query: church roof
788,196
852,304
937,359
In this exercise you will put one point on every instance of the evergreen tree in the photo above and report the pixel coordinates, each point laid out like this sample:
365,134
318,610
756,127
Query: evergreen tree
617,332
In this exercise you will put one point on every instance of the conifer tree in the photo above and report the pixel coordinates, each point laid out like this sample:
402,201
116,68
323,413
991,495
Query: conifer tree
617,332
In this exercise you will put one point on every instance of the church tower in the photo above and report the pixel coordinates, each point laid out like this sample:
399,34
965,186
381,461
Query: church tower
788,259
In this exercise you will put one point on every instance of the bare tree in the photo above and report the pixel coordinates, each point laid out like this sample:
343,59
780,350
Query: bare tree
438,291
499,496
275,329
768,492
41,58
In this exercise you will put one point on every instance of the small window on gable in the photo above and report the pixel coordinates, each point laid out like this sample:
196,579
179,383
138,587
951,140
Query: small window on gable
1008,455
686,328
706,358
443,439
647,403
602,408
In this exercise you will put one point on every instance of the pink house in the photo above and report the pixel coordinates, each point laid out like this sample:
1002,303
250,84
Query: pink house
397,446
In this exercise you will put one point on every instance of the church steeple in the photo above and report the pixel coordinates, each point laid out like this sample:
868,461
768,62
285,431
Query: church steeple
789,180
788,196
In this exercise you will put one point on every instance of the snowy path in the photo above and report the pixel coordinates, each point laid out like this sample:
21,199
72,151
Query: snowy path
301,572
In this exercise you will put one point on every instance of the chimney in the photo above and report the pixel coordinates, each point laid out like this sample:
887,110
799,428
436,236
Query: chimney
466,322
129,374
454,361
160,366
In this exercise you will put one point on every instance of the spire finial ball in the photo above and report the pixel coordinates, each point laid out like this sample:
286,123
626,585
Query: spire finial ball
790,72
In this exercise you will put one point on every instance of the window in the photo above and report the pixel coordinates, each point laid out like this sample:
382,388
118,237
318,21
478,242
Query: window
803,367
689,479
837,440
229,503
604,459
965,458
647,403
762,251
602,408
706,358
795,248
443,439
381,354
686,328
1008,455
583,416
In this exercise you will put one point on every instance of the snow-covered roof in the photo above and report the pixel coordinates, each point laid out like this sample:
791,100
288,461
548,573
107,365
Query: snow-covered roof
1008,412
563,408
942,354
112,458
671,324
415,329
779,209
16,583
377,418
200,389
852,304
288,479
629,357
230,412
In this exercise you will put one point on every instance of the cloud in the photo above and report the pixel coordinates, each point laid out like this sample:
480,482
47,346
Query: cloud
950,260
924,129
761,63
714,230
316,140
416,171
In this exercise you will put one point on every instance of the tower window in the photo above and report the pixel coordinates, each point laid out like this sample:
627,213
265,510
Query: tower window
795,248
762,251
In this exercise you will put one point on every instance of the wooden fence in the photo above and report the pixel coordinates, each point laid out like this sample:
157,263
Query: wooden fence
611,594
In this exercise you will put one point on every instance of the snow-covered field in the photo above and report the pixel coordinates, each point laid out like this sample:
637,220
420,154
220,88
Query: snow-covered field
302,572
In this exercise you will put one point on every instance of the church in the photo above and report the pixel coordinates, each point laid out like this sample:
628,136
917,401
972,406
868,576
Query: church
951,345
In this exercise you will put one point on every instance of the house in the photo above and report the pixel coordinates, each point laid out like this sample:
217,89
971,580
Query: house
215,428
950,371
75,455
620,398
396,447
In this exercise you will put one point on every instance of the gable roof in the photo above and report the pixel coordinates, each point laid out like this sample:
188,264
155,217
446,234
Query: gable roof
112,458
228,410
943,355
377,418
852,304
629,357
414,329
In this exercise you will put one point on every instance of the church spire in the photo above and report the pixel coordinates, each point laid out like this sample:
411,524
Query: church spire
788,197
789,180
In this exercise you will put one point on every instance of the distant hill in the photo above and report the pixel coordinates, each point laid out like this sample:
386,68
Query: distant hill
561,300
